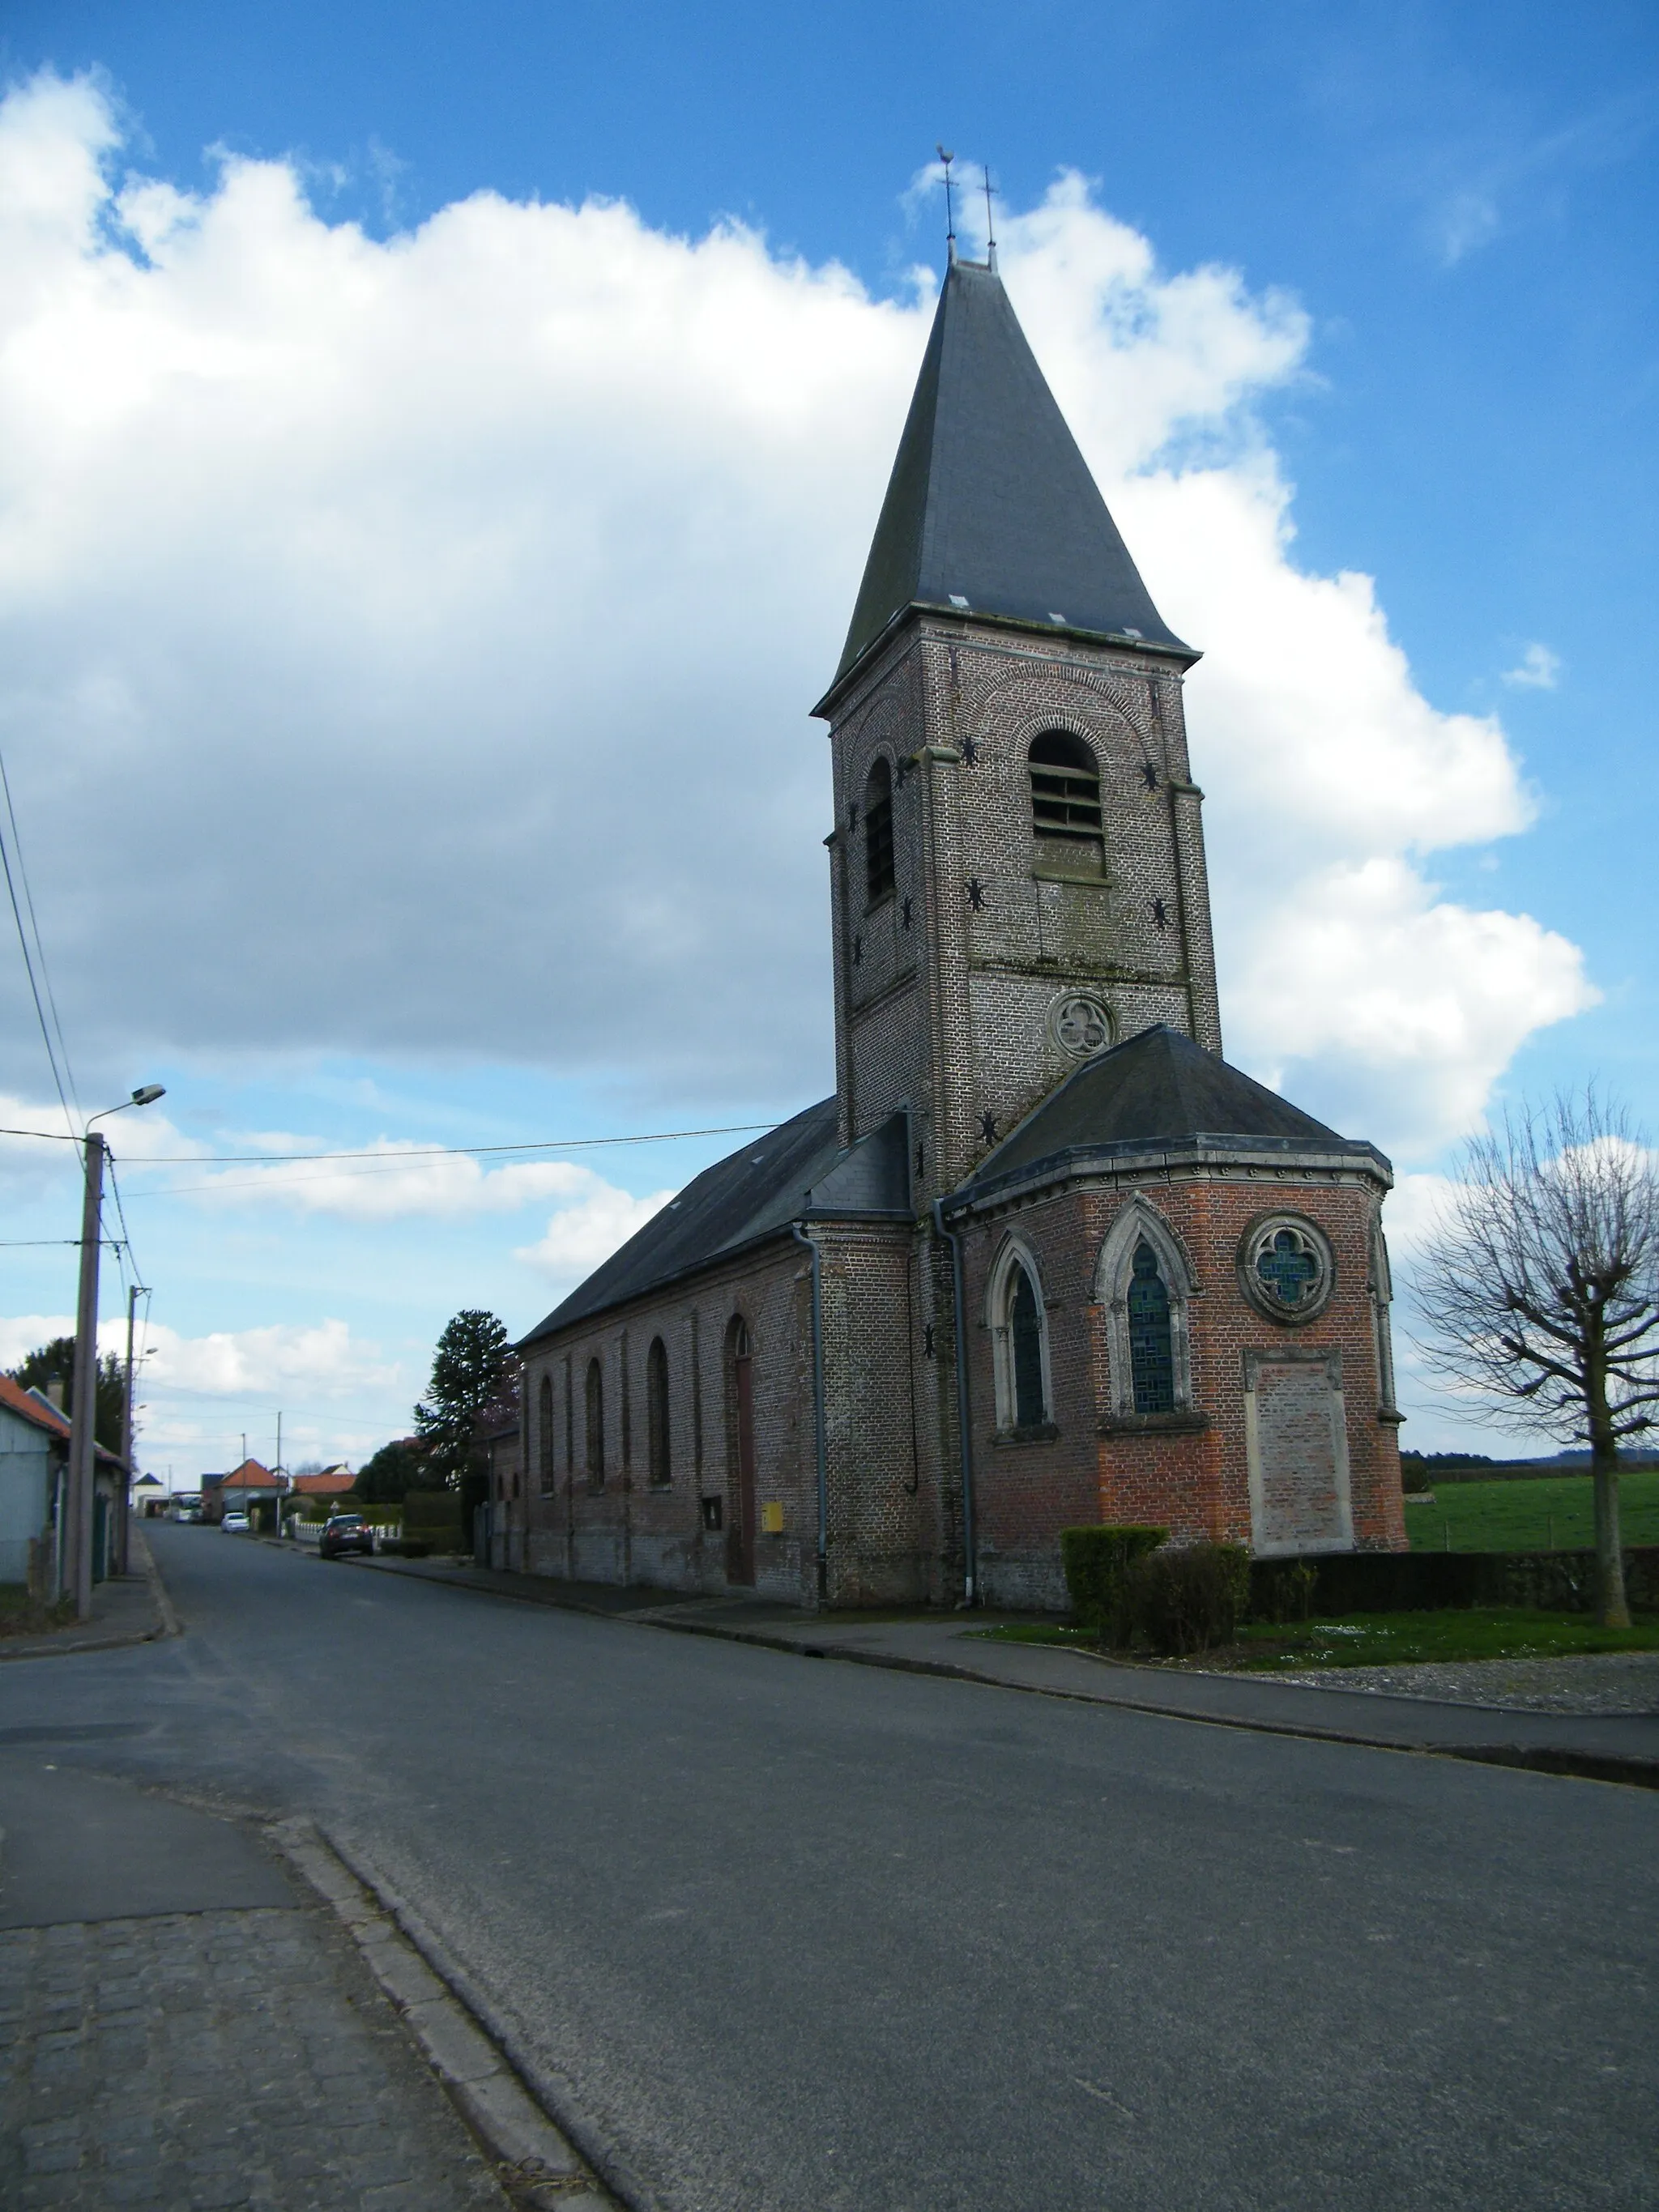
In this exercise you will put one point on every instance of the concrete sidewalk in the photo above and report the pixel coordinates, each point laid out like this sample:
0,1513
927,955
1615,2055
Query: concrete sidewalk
1621,1748
130,1608
183,2022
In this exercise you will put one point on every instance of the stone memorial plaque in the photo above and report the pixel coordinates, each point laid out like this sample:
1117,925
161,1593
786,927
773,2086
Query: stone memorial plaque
1296,1434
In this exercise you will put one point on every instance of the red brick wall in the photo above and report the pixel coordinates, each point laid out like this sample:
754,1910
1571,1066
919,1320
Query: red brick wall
1193,1479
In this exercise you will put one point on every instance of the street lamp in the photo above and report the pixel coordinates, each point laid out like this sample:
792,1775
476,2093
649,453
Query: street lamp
76,1572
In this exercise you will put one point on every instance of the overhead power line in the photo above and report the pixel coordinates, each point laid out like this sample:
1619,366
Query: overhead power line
7,848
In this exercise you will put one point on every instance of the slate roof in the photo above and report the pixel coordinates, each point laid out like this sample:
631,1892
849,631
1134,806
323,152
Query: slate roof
1156,1091
796,1172
990,498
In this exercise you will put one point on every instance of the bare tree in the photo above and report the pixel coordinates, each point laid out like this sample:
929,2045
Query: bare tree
1540,1288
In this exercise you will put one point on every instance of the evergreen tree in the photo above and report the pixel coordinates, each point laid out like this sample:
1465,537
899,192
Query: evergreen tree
56,1361
395,1470
468,1367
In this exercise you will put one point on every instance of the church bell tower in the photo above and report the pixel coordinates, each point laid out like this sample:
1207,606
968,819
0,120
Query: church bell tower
1017,860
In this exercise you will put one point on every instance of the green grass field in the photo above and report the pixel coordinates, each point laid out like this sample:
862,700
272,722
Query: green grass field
1551,1514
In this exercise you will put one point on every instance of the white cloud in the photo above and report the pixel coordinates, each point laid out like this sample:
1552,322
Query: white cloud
421,632
581,1235
398,1180
315,1360
1537,669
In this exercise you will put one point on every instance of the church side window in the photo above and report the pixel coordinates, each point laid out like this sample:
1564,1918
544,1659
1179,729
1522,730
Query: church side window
545,1434
1025,1345
1065,788
595,1409
1152,1350
656,1413
878,835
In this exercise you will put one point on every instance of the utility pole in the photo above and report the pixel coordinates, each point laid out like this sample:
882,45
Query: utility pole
84,1393
135,1291
74,1572
276,1508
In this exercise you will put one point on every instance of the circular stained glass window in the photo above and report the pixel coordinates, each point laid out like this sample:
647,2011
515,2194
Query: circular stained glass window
1286,1268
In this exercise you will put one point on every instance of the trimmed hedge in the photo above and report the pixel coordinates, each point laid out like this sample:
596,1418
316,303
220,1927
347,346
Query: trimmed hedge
435,1514
1097,1562
1184,1598
1334,1583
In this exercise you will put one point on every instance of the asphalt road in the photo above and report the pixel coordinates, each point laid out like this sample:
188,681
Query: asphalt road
803,1936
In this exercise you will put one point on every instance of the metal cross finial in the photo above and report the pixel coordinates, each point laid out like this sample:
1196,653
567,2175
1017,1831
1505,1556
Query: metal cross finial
950,208
990,226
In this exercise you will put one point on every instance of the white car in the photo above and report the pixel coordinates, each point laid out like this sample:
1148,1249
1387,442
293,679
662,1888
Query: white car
234,1524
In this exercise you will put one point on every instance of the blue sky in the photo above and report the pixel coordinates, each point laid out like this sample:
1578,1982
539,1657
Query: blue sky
347,840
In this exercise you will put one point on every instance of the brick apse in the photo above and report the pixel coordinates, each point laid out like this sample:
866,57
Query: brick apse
1045,1257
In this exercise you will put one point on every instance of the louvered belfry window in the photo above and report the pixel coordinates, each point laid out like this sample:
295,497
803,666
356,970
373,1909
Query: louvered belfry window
878,835
1065,788
1151,1351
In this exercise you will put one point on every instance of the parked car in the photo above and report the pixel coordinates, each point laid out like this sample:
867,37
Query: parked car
234,1524
345,1532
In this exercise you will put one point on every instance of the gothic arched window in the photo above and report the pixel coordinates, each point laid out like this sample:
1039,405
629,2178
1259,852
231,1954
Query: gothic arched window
656,1413
545,1434
879,834
595,1426
1144,1290
1025,1351
1065,788
1152,1351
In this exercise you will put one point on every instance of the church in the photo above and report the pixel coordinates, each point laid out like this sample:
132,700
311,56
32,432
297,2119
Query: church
1044,1258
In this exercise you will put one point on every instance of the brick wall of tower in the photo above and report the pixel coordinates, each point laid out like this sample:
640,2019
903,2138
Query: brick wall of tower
944,991
1189,1474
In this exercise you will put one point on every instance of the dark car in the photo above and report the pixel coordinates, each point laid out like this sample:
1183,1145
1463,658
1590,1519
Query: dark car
345,1532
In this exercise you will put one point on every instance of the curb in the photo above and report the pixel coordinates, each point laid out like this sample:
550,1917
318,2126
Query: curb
531,2155
166,1622
1630,1772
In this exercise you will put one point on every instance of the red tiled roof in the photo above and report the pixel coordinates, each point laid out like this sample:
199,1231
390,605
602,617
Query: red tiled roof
251,1475
38,1410
329,1484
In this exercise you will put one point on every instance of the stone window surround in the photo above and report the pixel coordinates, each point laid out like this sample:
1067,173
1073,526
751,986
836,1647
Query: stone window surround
1139,1222
1015,1252
1266,1224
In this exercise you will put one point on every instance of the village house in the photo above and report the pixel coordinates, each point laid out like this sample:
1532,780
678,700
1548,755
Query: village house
1045,1257
35,1453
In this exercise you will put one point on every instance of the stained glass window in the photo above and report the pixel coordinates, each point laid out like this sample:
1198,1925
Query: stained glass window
1151,1353
1288,1268
1025,1331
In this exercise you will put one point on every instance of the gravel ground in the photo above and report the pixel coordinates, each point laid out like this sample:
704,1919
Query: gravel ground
1601,1682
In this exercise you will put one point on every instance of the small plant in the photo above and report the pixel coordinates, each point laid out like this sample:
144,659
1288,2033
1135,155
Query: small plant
1188,1597
1097,1562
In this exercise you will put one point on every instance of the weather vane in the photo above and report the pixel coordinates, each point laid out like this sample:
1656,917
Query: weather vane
949,214
990,226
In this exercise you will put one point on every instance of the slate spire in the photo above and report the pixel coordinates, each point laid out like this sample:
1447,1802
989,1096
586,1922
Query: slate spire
990,501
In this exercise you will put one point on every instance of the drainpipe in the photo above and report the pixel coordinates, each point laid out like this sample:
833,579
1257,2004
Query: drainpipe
970,1564
801,1237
